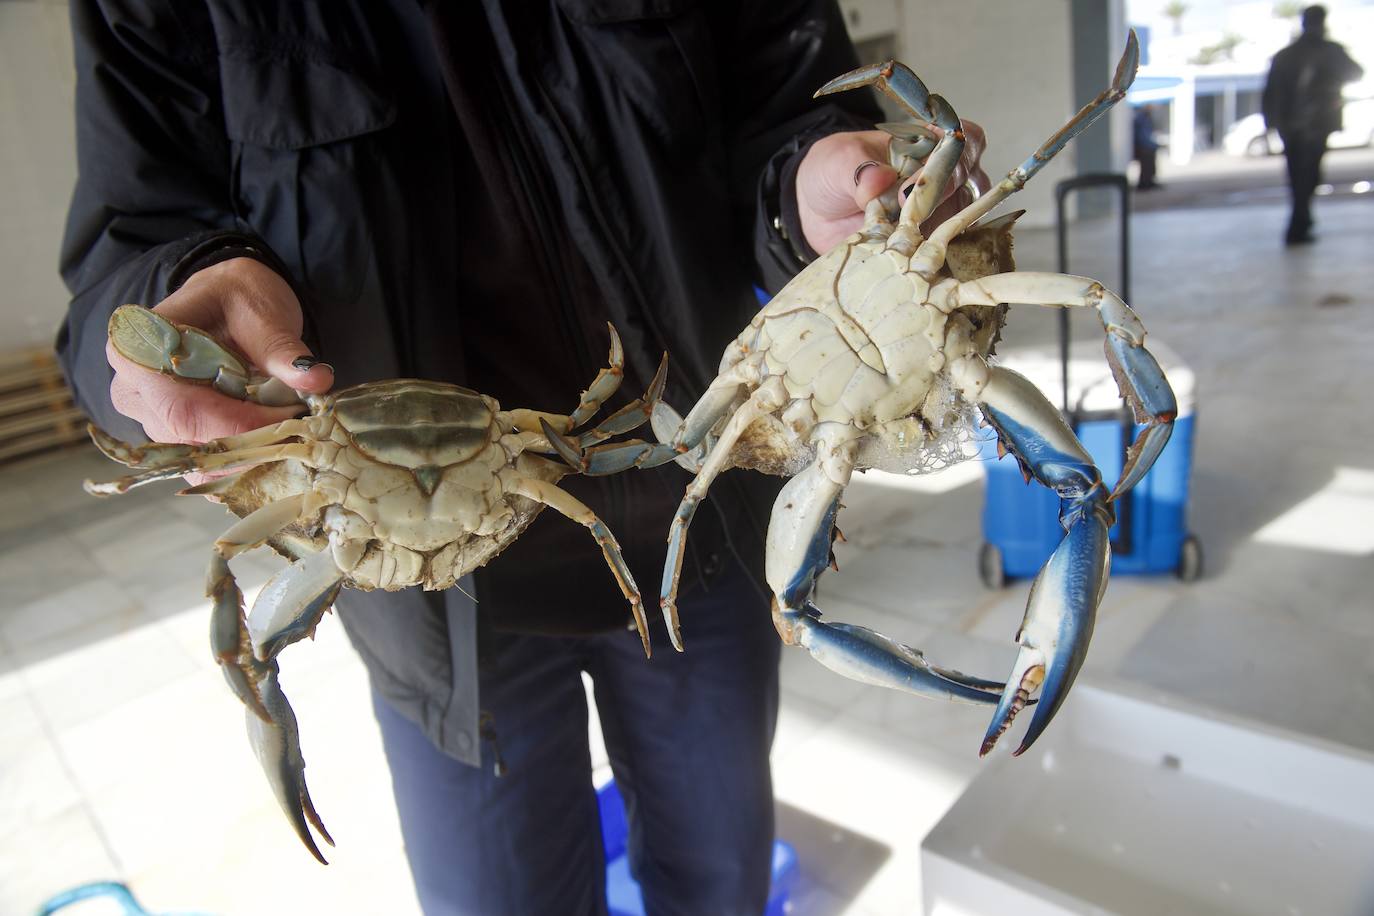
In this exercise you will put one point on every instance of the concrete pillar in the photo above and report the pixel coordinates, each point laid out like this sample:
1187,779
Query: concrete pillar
1181,122
1099,37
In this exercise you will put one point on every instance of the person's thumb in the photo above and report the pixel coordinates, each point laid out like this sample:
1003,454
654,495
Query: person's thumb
277,351
265,324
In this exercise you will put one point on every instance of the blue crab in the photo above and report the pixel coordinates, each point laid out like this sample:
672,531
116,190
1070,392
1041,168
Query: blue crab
384,485
877,355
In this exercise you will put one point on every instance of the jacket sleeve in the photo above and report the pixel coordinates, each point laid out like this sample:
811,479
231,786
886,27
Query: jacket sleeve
152,201
778,54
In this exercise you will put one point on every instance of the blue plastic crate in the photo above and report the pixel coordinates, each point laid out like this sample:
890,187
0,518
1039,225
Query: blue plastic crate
622,892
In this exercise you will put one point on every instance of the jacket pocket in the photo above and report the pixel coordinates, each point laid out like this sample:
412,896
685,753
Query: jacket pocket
302,131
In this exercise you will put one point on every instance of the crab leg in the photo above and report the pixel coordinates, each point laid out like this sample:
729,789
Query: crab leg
930,256
766,398
611,459
199,460
155,454
632,415
565,503
913,144
536,425
287,609
228,627
250,668
277,743
1138,375
605,384
1058,623
146,338
799,539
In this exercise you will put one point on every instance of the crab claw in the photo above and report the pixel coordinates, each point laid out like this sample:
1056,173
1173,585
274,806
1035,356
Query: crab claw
145,337
1063,601
1058,625
1143,385
869,657
894,79
276,742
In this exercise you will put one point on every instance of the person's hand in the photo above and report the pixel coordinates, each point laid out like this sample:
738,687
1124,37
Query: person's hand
246,305
831,205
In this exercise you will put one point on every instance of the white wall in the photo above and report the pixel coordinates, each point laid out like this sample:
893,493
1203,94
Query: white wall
37,166
1007,66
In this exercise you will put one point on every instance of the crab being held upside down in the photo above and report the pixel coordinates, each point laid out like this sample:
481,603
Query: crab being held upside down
875,356
383,485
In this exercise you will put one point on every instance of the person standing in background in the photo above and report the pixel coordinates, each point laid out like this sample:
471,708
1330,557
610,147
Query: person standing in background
1145,147
1302,101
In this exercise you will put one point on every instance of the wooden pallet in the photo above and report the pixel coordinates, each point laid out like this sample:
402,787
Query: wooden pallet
37,413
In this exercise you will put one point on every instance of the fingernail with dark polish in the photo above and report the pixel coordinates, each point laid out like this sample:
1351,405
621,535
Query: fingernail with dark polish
305,363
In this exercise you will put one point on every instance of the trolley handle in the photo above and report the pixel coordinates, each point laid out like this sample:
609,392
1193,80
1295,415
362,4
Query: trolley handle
1061,226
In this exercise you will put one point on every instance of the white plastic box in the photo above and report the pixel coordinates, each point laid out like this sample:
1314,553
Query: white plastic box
1134,804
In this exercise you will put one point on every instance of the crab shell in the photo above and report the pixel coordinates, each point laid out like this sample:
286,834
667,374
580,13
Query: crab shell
930,410
415,471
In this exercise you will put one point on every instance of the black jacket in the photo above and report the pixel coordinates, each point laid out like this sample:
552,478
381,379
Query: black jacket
1302,94
321,134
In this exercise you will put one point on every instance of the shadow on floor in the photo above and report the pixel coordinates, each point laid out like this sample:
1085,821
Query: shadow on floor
834,862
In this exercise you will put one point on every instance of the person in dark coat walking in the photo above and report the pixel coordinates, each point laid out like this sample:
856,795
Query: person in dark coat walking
1302,101
468,192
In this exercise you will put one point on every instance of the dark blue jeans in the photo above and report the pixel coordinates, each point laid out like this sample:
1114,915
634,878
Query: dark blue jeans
688,737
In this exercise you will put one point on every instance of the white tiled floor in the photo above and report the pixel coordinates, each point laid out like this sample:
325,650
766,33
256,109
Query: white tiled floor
122,755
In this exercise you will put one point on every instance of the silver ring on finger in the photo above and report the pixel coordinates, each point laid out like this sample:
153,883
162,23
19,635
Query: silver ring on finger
867,163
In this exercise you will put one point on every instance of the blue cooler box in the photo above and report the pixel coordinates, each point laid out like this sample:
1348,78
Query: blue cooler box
1021,521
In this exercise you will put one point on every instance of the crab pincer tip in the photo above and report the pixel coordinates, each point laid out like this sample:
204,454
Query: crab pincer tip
1129,64
567,450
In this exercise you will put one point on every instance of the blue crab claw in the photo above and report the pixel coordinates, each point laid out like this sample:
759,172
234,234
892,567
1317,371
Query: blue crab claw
145,337
1143,385
288,608
894,79
867,656
1063,601
800,535
1058,625
290,605
276,742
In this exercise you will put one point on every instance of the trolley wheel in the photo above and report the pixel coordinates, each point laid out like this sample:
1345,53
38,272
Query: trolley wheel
990,566
1190,559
